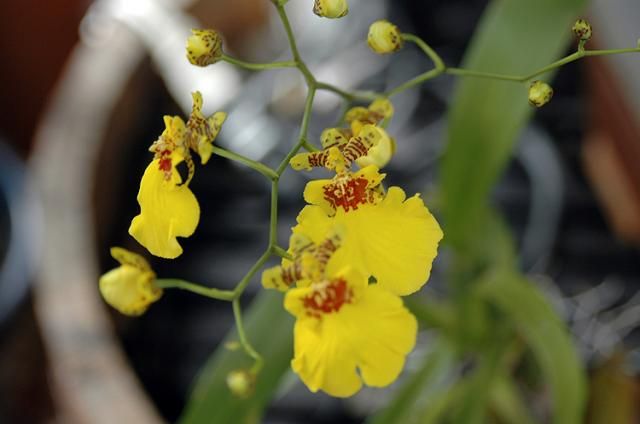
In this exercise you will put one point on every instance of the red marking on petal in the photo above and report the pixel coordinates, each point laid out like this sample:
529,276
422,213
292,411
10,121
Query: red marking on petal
165,164
347,193
328,299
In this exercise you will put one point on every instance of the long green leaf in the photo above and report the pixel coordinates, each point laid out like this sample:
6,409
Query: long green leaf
427,381
514,36
270,329
531,314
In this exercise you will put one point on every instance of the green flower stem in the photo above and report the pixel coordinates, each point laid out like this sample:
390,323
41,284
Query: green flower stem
166,283
237,313
308,76
420,79
237,292
435,57
304,129
307,145
279,251
441,68
258,66
261,168
273,220
349,96
477,74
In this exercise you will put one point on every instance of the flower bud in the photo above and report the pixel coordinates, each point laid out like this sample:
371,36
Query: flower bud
241,383
331,8
582,30
129,288
382,107
540,93
384,37
204,47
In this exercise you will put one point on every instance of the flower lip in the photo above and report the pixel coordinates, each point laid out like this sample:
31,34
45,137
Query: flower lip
327,298
348,193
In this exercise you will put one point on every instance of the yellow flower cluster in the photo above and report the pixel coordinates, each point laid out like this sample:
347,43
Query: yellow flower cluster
353,231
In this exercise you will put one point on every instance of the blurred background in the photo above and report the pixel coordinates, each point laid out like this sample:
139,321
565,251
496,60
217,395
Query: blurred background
84,88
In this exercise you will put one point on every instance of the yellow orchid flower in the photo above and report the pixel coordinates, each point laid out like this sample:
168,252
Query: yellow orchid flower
393,238
168,208
364,142
129,288
348,332
202,130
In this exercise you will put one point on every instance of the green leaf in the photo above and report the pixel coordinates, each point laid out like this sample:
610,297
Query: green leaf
486,117
508,404
546,335
420,386
270,329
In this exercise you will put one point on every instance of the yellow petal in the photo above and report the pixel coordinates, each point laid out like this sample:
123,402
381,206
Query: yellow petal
381,153
366,338
386,333
323,357
125,257
129,289
167,210
314,193
396,240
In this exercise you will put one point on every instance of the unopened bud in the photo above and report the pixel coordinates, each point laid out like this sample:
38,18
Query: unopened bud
241,383
384,37
582,30
540,93
204,47
382,107
331,8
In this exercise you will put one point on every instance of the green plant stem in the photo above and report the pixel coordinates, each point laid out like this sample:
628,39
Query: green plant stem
258,66
248,348
279,251
304,129
438,63
261,168
167,283
242,285
349,96
441,68
273,220
477,74
308,76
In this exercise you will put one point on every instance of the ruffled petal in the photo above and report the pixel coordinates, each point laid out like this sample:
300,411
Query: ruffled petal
396,240
386,333
167,210
366,339
324,357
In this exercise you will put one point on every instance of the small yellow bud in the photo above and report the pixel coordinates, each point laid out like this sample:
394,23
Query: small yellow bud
129,288
540,93
241,383
382,107
384,37
582,30
331,8
204,47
